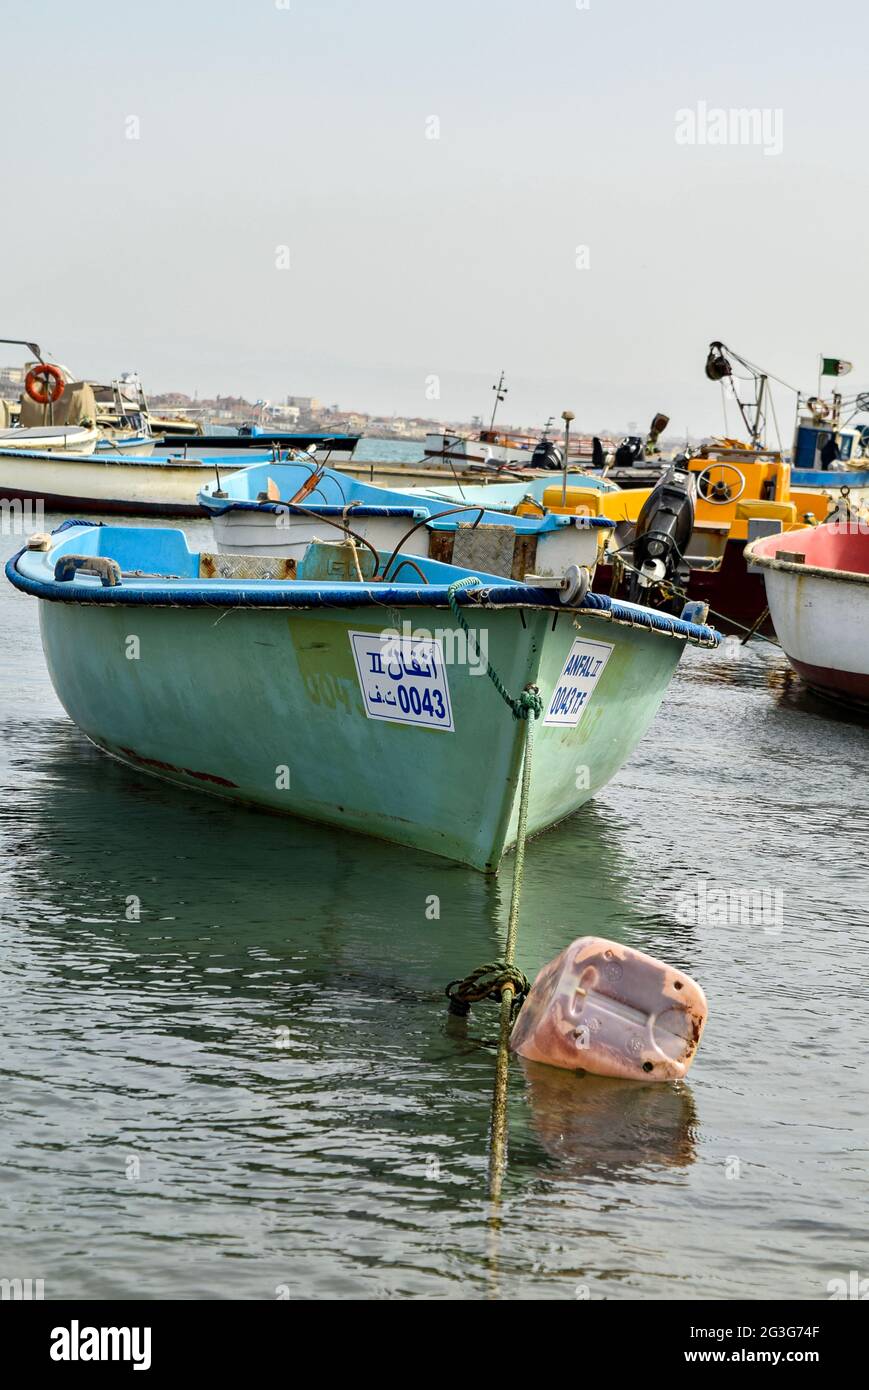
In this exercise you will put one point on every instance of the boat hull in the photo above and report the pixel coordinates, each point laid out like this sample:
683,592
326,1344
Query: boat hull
56,439
461,450
103,484
300,741
131,446
819,604
823,626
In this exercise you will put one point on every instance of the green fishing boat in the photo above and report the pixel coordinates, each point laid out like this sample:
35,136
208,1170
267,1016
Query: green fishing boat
321,690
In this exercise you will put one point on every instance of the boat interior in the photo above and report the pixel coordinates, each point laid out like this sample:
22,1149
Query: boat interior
92,556
514,541
839,547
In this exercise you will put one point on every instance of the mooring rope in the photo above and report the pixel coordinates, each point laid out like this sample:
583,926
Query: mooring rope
498,1149
529,701
487,982
503,976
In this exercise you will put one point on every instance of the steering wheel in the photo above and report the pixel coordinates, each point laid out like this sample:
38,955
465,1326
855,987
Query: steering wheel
718,492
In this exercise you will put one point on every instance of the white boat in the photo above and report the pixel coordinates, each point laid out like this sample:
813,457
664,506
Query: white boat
488,449
276,510
817,585
78,439
111,482
130,443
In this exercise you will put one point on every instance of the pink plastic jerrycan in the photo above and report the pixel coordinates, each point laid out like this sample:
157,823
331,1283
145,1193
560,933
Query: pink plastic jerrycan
606,1008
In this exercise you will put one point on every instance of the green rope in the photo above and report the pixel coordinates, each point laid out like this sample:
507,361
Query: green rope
529,701
487,982
503,978
498,1149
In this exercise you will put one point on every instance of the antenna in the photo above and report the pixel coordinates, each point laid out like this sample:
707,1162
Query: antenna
567,416
500,392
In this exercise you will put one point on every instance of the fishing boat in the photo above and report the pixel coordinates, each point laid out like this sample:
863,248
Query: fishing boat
94,449
253,439
630,460
485,449
828,450
105,482
277,509
50,439
64,436
724,496
338,452
817,585
118,480
829,456
81,415
492,449
387,706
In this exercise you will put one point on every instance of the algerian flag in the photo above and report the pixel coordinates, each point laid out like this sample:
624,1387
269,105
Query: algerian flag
835,366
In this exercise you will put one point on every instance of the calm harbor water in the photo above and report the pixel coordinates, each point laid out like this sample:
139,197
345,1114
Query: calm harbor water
254,1091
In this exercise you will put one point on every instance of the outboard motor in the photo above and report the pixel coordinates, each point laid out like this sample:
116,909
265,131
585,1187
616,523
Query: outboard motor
547,455
629,452
663,531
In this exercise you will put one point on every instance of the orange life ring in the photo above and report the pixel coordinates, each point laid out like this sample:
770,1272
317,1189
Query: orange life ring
37,381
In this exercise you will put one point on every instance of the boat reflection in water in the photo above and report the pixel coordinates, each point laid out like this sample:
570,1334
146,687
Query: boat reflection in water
258,1006
125,878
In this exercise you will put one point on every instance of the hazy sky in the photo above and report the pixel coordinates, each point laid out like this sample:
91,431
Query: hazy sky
306,125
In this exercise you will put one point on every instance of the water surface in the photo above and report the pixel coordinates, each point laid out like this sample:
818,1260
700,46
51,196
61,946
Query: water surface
254,1090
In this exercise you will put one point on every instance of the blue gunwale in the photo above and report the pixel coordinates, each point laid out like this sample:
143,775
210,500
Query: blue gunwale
817,477
325,509
115,458
438,522
32,572
361,499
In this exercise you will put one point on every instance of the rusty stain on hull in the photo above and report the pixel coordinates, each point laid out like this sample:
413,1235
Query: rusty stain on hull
159,766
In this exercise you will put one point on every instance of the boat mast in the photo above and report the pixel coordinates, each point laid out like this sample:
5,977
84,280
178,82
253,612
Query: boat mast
759,422
500,392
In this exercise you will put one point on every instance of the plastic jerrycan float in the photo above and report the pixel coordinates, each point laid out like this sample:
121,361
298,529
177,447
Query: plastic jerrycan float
606,1008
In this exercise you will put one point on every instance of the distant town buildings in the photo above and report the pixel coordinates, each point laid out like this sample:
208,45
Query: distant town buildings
11,380
308,414
296,413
